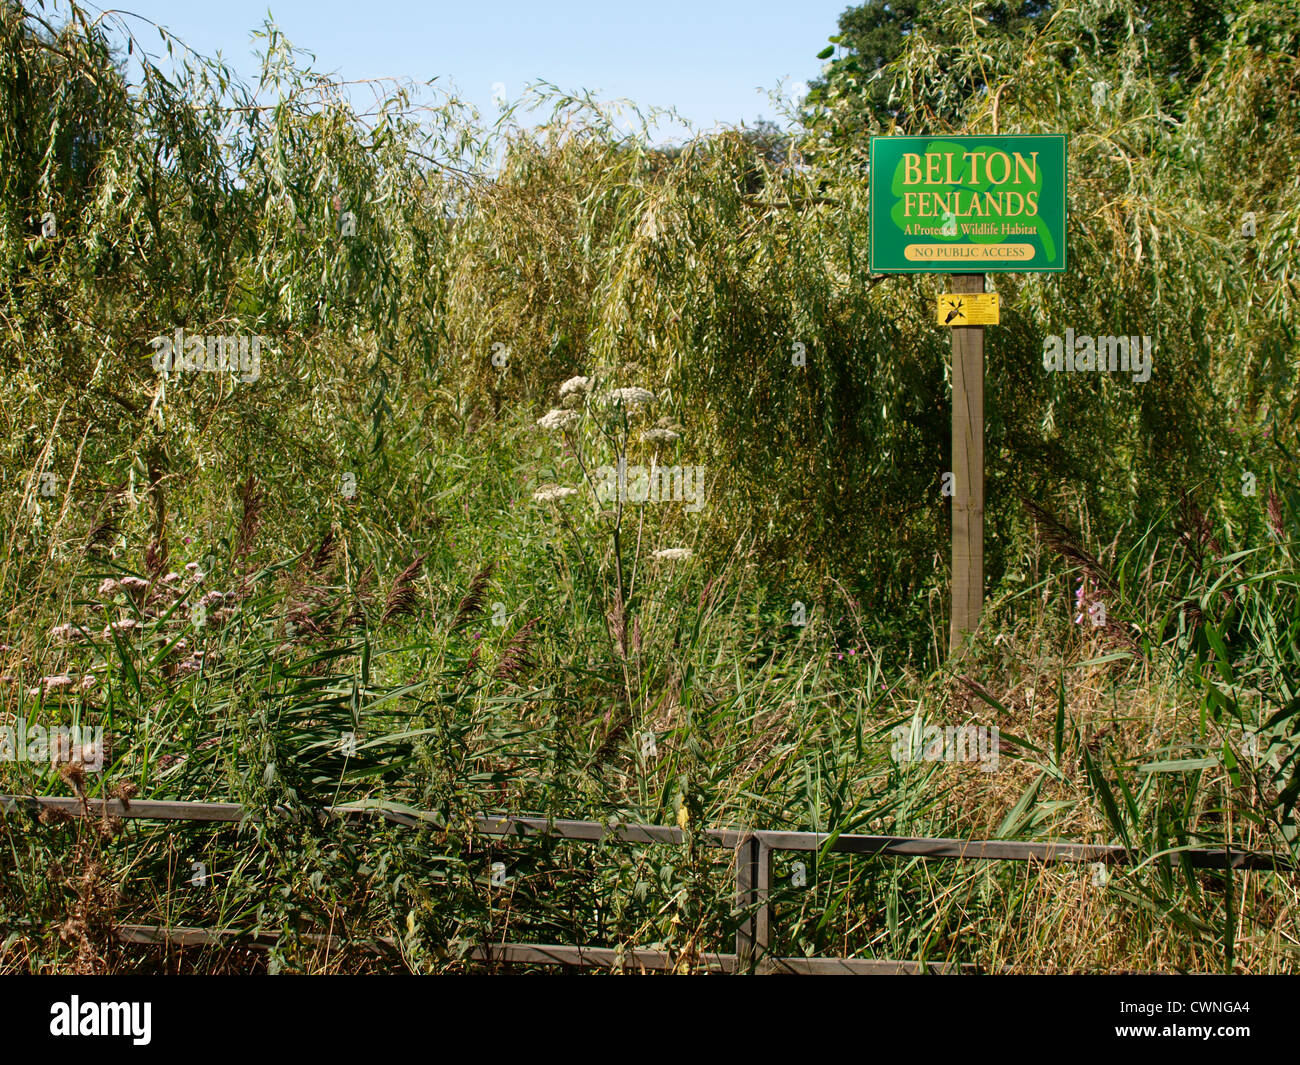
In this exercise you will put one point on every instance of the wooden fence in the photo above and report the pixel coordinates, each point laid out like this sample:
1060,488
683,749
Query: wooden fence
753,850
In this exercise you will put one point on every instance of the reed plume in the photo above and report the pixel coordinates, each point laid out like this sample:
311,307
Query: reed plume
402,597
472,605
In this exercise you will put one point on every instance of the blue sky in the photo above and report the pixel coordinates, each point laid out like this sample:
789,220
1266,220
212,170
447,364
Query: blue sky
713,60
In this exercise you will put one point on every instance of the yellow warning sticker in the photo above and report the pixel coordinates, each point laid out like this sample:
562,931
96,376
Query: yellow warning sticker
965,308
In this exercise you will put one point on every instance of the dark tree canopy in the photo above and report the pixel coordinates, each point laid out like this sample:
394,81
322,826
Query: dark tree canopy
1180,36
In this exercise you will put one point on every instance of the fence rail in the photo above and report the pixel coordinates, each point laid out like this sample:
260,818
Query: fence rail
753,849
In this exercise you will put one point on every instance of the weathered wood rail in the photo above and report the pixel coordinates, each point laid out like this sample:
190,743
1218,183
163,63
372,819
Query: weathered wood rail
753,850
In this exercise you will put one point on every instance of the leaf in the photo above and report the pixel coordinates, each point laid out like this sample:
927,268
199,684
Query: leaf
1107,797
128,666
1178,765
1019,814
1221,661
1058,736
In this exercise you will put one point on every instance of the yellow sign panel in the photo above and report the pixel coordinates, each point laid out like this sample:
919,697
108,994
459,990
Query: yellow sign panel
964,308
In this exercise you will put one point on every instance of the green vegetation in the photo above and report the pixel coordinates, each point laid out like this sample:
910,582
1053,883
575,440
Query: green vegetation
353,579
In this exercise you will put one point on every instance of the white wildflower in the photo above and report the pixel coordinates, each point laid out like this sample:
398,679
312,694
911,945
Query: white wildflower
558,419
660,436
108,586
553,493
632,397
578,385
134,584
673,554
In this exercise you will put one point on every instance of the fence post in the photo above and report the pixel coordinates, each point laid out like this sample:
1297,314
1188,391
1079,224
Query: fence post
753,876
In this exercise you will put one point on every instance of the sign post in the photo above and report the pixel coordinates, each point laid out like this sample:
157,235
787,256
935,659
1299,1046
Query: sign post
961,204
968,470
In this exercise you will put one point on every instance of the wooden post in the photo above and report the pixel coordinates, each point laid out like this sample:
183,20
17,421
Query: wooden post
968,471
753,883
746,875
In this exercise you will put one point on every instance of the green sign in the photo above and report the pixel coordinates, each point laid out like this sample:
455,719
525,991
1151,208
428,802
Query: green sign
976,205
